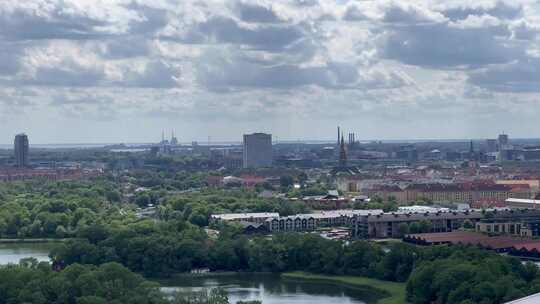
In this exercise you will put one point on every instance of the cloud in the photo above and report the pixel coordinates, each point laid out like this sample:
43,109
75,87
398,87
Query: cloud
220,72
219,29
354,13
254,13
262,63
40,19
456,10
518,76
155,74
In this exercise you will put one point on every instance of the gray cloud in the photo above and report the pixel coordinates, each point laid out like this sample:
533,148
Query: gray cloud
220,29
48,22
9,59
498,9
249,12
518,76
442,46
353,13
156,74
74,76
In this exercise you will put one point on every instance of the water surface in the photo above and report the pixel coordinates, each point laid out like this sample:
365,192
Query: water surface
11,253
272,289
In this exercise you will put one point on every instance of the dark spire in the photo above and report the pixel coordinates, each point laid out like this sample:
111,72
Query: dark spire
342,153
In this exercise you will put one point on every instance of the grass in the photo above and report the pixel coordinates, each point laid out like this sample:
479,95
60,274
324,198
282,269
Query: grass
394,293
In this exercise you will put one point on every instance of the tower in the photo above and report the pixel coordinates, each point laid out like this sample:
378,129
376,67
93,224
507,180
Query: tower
21,148
342,153
174,140
257,150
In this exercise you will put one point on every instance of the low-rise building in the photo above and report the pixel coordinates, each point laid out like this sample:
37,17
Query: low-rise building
312,221
387,225
260,217
518,203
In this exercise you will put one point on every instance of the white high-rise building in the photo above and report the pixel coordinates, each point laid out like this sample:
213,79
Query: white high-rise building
257,150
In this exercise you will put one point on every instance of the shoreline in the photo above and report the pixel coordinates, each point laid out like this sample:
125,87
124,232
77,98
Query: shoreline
34,240
392,292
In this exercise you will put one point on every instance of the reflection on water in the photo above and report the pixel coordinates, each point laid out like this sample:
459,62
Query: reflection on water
272,289
11,253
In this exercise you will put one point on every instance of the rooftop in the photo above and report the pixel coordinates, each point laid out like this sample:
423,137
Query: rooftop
522,200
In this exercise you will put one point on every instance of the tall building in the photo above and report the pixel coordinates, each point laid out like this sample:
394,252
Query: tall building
21,148
503,141
257,150
491,145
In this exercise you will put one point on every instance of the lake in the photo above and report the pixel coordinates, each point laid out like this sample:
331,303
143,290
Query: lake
13,252
272,289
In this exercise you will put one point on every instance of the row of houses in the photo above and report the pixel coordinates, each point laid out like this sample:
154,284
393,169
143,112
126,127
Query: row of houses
17,174
366,224
459,193
272,222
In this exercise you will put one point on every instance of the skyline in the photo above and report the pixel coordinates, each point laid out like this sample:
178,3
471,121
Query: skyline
80,71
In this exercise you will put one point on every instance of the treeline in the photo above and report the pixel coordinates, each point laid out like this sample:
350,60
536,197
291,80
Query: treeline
470,275
38,209
164,248
110,283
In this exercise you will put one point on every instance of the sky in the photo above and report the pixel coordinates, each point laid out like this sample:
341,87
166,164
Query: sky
109,71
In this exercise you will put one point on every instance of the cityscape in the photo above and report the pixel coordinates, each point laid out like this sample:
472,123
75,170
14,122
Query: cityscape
478,193
269,152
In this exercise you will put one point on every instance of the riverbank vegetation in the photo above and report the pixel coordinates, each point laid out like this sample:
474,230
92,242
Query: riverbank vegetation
438,274
109,283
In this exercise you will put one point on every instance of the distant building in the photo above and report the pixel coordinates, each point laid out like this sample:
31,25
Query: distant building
504,141
491,145
174,140
21,148
407,153
517,203
257,150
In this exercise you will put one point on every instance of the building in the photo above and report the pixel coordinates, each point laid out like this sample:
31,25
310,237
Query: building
407,153
524,222
245,217
454,193
387,225
312,221
491,145
503,140
257,150
519,203
21,148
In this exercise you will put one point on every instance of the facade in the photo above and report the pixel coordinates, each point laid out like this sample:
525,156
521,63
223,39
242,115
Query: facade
387,225
517,203
312,221
257,150
21,148
456,193
524,222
